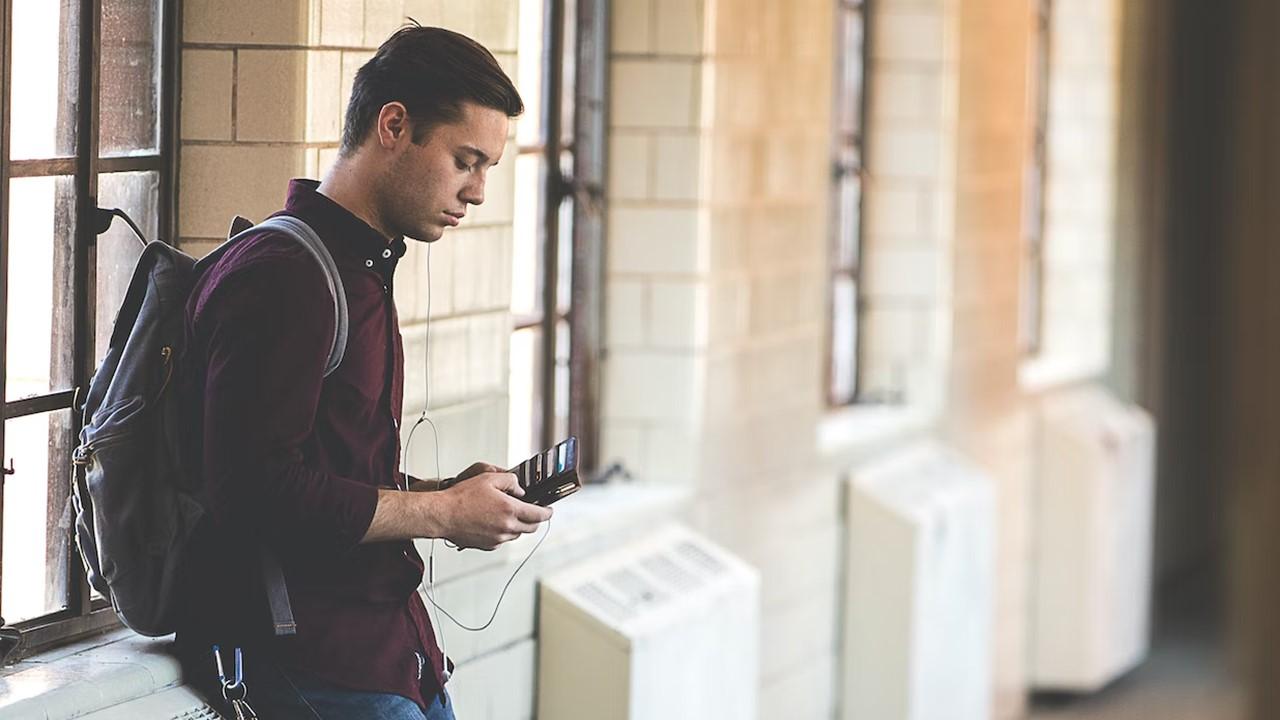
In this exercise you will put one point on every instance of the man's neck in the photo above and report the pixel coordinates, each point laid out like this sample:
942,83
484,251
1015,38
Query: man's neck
345,185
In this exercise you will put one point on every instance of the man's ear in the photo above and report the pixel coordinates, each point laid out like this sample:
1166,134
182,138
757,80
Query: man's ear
393,124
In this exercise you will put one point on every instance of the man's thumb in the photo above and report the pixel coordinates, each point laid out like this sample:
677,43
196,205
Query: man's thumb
507,482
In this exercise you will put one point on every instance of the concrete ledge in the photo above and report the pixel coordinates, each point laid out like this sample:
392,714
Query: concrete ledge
86,677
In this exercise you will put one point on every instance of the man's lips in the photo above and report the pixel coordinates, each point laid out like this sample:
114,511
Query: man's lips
454,218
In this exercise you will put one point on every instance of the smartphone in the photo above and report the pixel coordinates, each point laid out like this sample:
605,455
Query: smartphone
551,474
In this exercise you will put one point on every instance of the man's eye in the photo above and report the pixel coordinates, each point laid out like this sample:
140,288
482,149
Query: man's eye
461,165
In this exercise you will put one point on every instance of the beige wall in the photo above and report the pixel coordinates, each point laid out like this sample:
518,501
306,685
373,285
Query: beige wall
656,287
718,198
762,490
986,416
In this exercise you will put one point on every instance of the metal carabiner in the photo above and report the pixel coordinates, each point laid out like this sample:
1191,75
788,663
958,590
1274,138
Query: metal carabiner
234,691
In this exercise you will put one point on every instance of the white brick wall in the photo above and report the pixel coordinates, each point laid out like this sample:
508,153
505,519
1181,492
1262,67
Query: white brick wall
716,278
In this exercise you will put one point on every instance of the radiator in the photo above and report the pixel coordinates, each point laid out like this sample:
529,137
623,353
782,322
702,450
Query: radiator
919,588
665,627
1093,515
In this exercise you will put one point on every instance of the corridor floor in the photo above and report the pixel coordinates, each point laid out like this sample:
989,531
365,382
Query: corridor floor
1184,678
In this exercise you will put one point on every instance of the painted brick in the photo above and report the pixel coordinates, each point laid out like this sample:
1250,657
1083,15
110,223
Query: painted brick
625,312
907,35
679,27
651,386
206,94
284,22
632,26
342,22
677,167
630,165
653,94
652,240
677,314
208,196
482,269
287,95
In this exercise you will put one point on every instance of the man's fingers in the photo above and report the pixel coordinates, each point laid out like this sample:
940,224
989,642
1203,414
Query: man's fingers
522,528
532,514
479,468
506,482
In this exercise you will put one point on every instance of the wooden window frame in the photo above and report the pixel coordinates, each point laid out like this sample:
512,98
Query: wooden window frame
83,615
580,137
1031,320
843,387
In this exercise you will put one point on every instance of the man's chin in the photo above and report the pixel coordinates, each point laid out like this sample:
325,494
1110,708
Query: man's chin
429,234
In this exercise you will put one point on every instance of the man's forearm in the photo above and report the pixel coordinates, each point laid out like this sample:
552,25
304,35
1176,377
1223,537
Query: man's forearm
406,515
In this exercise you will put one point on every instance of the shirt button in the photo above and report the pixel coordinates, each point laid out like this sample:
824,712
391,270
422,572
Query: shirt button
386,253
368,263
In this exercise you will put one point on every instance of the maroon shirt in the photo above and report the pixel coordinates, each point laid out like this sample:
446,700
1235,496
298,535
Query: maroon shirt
293,460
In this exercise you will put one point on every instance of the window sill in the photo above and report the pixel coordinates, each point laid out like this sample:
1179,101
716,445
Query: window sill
88,676
1044,373
848,433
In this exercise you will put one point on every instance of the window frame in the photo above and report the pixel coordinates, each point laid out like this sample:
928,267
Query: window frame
83,615
842,391
1031,314
582,138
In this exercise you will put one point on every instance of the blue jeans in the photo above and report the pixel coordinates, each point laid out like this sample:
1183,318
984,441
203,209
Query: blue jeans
311,699
276,694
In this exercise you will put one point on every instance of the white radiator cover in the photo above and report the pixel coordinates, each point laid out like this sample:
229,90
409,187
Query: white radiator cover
666,627
919,593
1094,509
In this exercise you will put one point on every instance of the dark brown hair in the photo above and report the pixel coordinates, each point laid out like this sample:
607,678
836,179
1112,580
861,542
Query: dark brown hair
432,71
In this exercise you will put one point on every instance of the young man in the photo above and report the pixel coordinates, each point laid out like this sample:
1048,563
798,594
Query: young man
306,466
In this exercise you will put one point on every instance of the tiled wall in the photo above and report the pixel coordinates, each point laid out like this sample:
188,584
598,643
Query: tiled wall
656,287
762,489
986,416
719,155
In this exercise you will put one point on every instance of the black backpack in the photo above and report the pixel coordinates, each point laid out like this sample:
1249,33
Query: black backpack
136,503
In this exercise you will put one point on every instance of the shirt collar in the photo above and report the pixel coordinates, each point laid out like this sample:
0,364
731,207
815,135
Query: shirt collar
347,236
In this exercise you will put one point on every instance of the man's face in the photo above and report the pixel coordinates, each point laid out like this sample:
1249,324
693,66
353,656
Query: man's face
429,186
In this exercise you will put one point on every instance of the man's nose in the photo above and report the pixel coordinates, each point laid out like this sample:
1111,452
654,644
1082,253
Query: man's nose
473,192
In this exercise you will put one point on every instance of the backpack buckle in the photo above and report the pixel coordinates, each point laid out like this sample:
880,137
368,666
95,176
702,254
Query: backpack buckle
80,456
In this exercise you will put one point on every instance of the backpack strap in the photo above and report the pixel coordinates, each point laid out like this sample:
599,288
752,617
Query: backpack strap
303,233
282,621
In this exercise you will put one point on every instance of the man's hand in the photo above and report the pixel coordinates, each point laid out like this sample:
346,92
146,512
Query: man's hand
477,469
482,512
433,485
477,510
